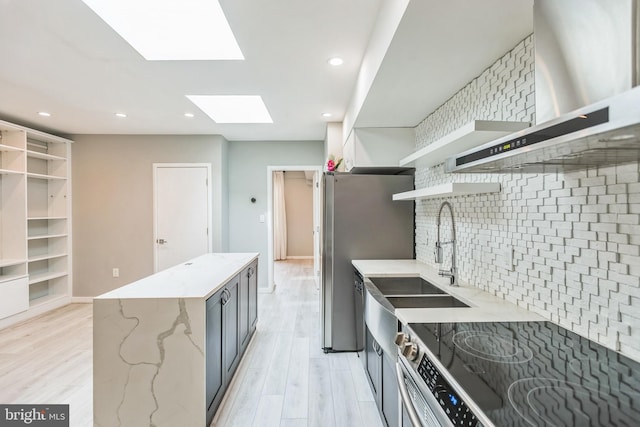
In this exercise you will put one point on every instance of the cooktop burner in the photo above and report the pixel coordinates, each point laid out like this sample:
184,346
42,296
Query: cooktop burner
574,404
492,347
536,373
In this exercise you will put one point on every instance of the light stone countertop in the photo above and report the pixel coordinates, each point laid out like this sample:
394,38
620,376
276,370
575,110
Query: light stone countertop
483,307
200,277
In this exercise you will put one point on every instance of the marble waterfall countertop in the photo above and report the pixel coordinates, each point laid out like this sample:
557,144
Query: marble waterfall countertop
149,344
200,277
483,307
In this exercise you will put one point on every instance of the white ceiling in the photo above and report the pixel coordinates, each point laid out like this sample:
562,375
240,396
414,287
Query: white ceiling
58,56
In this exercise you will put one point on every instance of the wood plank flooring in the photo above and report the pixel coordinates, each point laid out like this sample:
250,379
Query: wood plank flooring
48,360
284,380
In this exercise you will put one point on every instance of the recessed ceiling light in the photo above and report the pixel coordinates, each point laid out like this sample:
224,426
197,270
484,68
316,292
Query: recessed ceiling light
123,115
189,115
233,108
327,114
44,114
335,61
171,30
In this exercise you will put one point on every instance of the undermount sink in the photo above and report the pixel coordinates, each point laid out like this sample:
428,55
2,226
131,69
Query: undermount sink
405,286
432,301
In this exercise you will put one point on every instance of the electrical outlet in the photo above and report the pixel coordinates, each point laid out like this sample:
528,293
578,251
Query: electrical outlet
116,272
507,257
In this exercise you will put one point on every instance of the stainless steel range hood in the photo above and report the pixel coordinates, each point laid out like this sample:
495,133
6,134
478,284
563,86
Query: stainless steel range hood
587,55
605,133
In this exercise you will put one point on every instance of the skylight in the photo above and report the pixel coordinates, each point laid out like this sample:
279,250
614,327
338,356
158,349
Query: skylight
233,108
171,29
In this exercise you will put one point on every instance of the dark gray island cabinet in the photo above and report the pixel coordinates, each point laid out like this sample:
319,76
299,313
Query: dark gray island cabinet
167,346
232,314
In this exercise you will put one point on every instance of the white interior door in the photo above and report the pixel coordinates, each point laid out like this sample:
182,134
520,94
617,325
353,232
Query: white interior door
182,211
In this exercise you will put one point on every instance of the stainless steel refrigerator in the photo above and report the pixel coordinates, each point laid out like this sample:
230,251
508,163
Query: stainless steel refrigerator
361,221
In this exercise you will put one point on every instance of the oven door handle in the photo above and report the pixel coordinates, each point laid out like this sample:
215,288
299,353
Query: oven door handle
406,399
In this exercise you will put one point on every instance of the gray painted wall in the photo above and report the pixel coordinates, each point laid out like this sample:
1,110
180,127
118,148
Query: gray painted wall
248,162
113,202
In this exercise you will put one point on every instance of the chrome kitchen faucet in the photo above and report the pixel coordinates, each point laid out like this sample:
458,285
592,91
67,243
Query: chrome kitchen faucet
451,274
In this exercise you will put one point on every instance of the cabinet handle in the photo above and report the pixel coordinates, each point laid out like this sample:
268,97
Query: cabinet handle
251,271
377,348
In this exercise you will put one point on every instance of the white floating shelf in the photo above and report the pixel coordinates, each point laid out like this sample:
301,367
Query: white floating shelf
449,190
471,135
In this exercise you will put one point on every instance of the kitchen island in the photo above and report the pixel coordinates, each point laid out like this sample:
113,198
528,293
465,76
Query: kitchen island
165,347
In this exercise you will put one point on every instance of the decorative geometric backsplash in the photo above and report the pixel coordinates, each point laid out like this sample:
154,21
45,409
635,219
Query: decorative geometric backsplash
575,237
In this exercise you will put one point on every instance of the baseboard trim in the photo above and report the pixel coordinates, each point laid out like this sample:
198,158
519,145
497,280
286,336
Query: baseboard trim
267,290
300,257
81,300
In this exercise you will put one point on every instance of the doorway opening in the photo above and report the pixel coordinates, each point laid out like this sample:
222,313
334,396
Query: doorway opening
302,236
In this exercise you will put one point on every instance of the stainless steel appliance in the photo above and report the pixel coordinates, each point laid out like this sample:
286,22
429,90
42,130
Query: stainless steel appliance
602,134
361,221
513,374
587,64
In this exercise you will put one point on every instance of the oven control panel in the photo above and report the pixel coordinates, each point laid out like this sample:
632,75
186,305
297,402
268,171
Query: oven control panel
457,411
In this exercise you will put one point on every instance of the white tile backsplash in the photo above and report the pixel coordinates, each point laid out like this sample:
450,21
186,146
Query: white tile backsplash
575,236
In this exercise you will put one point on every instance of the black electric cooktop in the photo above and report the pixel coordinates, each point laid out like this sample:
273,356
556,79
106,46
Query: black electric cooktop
536,373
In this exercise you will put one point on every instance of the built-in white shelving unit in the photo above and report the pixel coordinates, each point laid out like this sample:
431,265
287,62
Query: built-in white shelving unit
471,135
35,222
449,190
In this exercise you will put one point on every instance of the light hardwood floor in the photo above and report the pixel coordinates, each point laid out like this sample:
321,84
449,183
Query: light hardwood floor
48,360
284,380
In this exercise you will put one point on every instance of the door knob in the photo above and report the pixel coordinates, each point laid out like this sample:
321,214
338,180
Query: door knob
161,241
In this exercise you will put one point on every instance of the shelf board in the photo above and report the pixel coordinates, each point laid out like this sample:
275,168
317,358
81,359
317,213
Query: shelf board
47,256
46,236
449,190
42,277
41,218
9,278
11,261
471,135
46,299
4,147
41,176
10,172
44,156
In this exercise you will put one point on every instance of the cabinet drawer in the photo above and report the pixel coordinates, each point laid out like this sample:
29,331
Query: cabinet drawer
14,297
